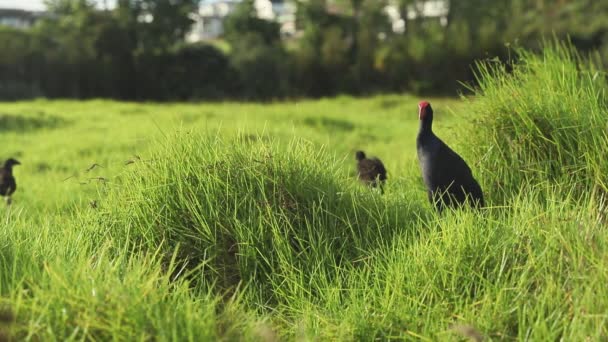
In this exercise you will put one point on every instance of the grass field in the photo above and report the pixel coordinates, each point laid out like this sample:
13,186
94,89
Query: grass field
244,221
62,139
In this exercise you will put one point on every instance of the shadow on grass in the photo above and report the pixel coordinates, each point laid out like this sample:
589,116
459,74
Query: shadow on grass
389,103
329,124
20,123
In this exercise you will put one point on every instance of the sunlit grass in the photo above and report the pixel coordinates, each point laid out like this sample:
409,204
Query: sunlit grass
228,221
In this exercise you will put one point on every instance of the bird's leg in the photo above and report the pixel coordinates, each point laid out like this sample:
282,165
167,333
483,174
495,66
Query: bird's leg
377,183
8,200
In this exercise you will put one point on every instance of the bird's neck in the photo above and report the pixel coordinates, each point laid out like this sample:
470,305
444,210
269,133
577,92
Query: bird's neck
8,168
426,128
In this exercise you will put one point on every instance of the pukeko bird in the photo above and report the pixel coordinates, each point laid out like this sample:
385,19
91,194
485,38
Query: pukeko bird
447,176
371,171
7,180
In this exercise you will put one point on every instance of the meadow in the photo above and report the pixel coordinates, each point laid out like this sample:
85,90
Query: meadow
240,221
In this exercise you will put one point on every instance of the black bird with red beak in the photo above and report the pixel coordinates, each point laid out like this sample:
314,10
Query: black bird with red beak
8,185
447,176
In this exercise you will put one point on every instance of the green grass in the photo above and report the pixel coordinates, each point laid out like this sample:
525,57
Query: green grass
546,119
244,221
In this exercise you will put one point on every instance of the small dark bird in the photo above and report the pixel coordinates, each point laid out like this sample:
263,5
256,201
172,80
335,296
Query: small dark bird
447,176
371,171
7,181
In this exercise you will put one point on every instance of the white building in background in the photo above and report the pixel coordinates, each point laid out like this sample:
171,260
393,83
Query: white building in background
209,21
430,9
283,12
17,18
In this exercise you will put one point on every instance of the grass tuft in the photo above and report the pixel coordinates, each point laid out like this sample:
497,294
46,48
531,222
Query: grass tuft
253,212
543,122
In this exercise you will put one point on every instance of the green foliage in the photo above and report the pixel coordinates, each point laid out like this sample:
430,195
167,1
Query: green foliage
343,46
156,24
257,56
261,70
16,90
244,21
372,28
544,121
324,52
69,39
69,7
189,71
260,231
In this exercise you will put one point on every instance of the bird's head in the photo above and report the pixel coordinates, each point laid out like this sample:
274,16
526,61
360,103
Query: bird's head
11,162
425,112
360,155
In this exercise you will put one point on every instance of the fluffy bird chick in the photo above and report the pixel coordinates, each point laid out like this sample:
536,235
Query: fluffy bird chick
370,171
8,185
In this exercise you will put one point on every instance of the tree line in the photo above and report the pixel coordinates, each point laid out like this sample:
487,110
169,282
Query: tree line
137,50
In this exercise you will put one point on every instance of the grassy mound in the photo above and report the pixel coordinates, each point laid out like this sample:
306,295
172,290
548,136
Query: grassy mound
530,272
253,213
542,122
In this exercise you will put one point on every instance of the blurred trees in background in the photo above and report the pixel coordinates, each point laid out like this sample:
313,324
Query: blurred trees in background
137,50
257,55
